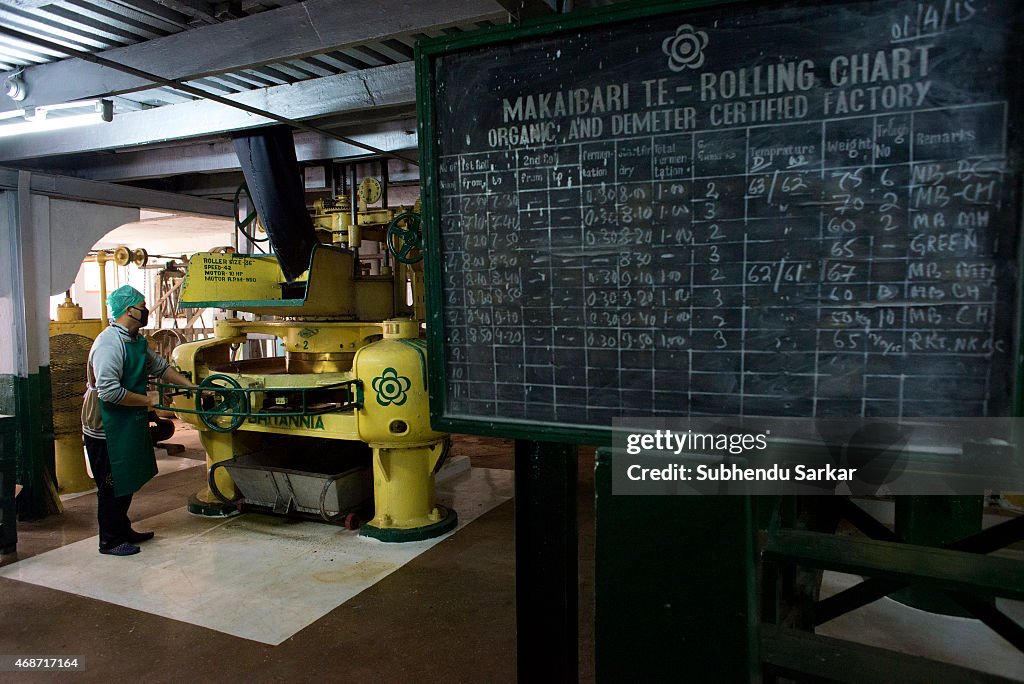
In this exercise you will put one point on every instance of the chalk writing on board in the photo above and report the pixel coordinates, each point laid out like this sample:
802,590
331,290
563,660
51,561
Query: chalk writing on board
691,215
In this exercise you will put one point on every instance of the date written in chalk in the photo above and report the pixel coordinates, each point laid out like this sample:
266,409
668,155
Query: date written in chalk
9,663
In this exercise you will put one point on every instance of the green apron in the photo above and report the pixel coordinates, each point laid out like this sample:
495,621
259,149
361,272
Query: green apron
132,460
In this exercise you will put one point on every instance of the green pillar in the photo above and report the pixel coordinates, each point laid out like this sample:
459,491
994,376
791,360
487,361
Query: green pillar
8,522
42,243
24,363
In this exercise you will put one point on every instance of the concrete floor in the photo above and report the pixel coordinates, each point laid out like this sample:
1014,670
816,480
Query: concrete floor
294,571
446,614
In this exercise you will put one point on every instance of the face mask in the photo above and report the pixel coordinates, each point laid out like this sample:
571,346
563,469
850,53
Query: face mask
143,318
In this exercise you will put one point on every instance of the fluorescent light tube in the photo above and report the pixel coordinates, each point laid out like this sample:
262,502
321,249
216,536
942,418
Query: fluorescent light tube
104,111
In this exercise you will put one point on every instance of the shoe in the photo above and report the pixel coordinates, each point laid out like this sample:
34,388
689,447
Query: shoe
139,537
124,549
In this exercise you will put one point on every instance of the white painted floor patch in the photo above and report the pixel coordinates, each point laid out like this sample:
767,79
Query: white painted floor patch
165,463
254,576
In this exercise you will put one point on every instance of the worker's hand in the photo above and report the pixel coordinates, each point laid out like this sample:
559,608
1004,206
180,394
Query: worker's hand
208,401
178,379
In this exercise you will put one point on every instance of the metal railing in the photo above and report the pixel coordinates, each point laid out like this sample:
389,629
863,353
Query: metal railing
236,402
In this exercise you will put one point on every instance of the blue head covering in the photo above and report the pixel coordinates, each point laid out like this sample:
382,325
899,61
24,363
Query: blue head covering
120,299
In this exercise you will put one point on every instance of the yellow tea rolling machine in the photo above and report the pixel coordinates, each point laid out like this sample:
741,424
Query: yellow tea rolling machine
302,432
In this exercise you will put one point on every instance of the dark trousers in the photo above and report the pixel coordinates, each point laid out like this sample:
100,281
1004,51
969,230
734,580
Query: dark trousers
112,511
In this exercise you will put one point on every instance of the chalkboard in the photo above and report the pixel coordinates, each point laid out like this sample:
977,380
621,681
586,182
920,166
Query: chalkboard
799,209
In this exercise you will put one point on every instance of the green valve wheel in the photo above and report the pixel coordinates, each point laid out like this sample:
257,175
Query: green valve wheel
221,403
250,226
405,238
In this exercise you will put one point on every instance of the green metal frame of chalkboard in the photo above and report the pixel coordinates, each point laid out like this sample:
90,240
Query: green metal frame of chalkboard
426,52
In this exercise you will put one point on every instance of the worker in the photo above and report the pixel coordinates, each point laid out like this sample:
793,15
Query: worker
120,451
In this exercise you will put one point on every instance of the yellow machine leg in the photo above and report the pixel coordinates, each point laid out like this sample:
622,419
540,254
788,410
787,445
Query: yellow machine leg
403,495
219,447
69,457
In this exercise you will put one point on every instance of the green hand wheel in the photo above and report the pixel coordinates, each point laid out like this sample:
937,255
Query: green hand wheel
251,225
405,238
227,410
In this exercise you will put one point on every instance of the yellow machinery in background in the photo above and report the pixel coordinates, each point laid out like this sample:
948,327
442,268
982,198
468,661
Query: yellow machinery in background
121,256
396,229
71,337
302,433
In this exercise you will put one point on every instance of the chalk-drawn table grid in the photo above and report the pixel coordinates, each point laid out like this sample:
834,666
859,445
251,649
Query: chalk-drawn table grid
674,274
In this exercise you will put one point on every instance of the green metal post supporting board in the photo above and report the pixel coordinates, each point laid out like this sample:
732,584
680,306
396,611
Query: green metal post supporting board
547,619
674,586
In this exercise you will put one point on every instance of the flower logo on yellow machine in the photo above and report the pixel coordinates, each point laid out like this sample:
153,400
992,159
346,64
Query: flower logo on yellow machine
685,49
391,388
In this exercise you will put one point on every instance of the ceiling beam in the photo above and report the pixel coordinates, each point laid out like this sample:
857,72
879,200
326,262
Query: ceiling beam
286,33
198,12
25,4
80,189
220,185
386,86
220,156
529,9
224,185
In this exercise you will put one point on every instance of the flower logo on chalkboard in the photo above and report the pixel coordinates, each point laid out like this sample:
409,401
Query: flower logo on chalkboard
391,387
685,49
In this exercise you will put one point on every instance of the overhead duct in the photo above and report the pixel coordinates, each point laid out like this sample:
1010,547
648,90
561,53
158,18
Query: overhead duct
267,158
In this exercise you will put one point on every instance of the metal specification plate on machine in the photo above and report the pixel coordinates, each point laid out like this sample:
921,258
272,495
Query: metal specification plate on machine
742,209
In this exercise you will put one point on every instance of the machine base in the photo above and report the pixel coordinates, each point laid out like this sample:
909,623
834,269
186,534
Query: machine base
210,509
447,523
